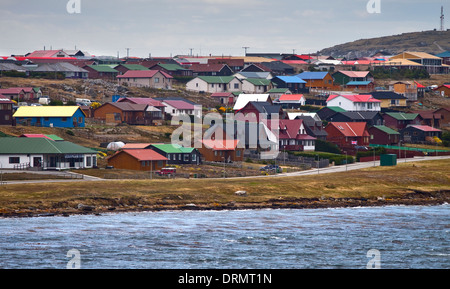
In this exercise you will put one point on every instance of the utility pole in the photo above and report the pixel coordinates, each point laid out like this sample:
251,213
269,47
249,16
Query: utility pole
128,52
191,51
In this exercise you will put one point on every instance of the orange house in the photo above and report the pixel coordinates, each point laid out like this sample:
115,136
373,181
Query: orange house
317,79
220,147
138,160
118,112
443,90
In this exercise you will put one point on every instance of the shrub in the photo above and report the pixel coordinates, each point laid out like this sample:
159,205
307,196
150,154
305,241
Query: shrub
325,146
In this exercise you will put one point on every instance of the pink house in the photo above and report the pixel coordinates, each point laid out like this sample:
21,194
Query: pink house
146,78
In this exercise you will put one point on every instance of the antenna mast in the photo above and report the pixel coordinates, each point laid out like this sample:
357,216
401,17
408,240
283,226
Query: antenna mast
442,18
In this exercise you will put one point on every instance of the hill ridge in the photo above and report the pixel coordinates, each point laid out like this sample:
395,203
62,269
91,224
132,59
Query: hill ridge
433,42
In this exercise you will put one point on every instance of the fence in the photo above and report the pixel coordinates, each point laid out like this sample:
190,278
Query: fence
284,158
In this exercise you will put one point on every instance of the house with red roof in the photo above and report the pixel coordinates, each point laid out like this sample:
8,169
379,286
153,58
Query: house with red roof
295,99
218,146
225,98
137,159
211,69
293,136
13,93
363,102
347,135
443,90
146,78
420,134
48,53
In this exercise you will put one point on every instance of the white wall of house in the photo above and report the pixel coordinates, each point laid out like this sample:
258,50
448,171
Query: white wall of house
200,85
197,84
12,161
173,111
309,145
249,87
157,81
349,105
88,161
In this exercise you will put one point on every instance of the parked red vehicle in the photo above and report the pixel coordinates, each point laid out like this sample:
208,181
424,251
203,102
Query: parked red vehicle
167,171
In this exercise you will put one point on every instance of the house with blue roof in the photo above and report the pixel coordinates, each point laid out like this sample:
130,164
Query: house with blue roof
445,57
294,83
317,79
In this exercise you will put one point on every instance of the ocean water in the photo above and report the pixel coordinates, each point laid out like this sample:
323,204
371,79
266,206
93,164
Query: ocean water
392,237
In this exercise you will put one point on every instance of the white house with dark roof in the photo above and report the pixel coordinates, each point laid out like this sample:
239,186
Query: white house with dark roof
181,107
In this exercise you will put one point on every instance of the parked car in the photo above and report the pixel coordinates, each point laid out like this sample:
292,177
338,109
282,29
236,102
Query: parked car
166,171
270,168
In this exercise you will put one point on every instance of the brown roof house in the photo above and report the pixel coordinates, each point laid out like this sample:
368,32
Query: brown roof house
124,112
146,78
6,111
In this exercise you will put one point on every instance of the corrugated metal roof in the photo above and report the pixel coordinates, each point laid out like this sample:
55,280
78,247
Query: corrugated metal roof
24,145
46,111
291,79
173,148
258,81
402,116
386,129
144,154
312,75
216,79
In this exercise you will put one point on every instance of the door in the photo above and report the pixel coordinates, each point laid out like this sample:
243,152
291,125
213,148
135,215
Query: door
37,162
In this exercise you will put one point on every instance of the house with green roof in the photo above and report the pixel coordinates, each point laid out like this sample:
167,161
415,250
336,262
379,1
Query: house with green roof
256,85
44,153
123,68
101,71
400,120
172,69
276,92
383,135
214,84
177,154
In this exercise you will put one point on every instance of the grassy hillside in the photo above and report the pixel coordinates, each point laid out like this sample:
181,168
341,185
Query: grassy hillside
433,42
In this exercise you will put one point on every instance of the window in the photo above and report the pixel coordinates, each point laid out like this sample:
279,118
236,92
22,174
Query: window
156,79
194,157
238,153
14,160
186,157
236,86
88,161
64,119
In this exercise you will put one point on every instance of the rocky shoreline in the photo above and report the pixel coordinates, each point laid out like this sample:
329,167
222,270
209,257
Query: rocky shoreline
415,198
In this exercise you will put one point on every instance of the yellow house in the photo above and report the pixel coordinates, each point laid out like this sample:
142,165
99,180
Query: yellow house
390,99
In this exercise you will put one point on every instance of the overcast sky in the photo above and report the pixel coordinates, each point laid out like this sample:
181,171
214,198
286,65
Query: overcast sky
172,27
